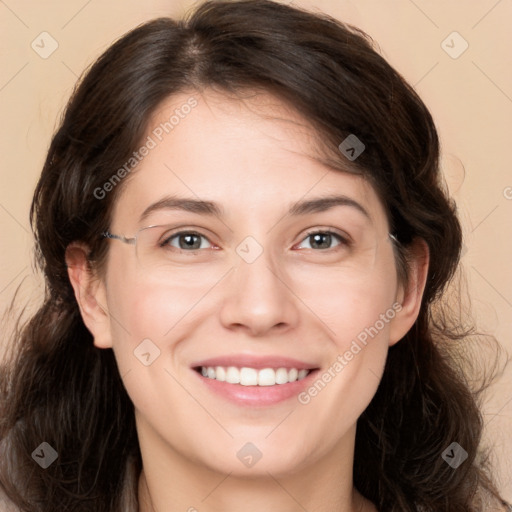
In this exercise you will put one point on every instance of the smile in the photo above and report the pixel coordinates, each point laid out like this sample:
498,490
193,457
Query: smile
255,380
246,376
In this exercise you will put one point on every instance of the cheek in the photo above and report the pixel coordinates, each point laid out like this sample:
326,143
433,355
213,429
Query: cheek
349,302
355,312
142,307
149,321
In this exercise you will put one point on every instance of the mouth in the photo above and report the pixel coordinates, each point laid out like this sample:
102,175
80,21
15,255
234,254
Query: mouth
255,381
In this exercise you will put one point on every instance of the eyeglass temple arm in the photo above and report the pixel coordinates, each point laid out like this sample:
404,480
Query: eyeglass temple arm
124,239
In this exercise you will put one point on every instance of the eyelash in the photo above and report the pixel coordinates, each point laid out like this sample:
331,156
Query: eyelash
342,240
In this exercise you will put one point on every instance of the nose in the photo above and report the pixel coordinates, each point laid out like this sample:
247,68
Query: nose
259,299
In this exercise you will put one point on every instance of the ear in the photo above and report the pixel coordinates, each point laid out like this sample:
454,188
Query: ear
410,294
90,294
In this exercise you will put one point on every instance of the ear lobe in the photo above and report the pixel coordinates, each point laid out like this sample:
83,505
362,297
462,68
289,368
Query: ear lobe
410,294
90,294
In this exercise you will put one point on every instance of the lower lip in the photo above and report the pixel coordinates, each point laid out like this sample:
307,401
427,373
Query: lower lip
257,395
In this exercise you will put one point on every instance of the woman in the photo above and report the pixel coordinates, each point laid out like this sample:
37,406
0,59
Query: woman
244,239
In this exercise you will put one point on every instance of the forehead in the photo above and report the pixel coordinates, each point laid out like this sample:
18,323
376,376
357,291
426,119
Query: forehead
241,153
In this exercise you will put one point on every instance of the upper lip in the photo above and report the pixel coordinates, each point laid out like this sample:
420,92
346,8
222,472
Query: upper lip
257,362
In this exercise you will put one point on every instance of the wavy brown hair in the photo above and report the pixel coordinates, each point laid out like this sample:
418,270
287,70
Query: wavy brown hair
58,388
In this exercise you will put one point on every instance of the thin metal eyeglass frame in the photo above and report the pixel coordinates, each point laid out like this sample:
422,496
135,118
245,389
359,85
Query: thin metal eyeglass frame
133,240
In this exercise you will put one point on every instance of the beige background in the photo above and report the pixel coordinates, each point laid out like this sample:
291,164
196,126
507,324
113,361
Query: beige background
470,98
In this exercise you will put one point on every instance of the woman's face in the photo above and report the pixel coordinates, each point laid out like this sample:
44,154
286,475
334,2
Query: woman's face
252,293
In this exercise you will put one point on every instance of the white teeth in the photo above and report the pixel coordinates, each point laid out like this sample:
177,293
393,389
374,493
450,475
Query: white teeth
253,377
248,377
302,374
281,376
220,374
266,377
232,375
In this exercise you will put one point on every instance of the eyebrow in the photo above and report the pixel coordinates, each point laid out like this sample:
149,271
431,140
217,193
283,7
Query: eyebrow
210,208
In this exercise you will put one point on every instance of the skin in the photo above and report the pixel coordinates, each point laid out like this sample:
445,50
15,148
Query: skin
255,158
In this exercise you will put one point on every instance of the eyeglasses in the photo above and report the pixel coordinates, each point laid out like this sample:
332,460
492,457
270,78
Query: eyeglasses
154,245
161,245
